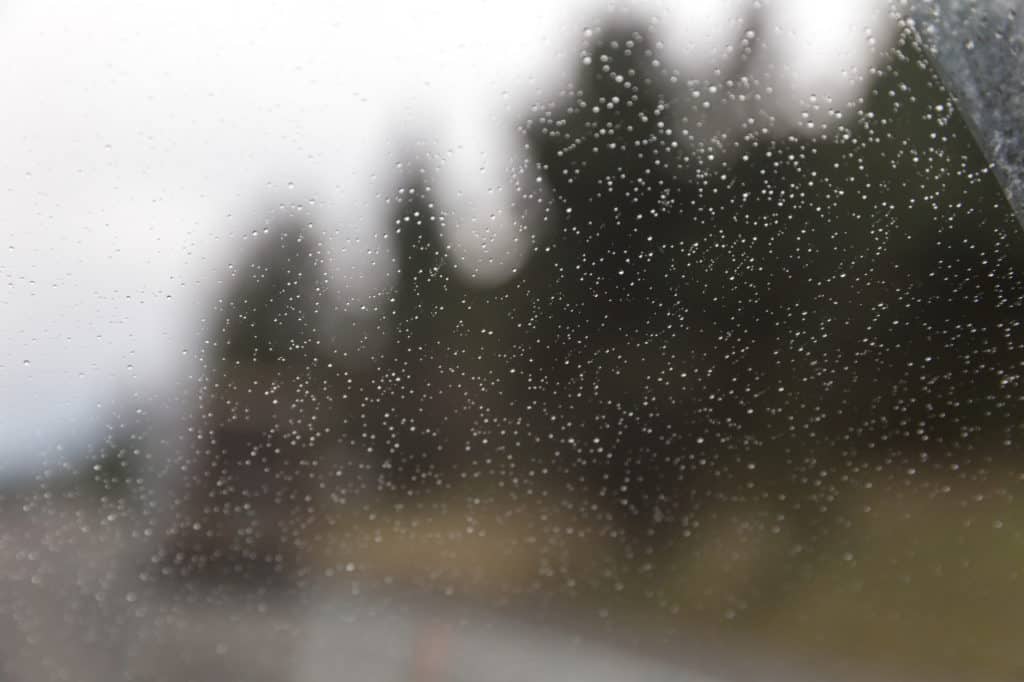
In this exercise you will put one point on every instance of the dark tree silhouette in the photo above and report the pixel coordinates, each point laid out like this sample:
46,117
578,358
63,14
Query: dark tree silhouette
267,403
686,332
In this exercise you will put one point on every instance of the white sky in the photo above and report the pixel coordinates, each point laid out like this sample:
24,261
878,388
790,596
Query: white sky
138,137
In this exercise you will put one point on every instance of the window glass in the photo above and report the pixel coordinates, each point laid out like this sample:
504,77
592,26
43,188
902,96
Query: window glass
491,340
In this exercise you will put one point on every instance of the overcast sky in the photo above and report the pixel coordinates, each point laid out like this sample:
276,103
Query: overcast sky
141,141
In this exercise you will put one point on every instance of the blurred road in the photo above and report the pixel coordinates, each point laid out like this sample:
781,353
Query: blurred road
423,646
71,608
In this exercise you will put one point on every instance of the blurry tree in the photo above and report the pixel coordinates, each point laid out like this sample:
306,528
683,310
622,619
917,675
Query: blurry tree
411,385
267,410
708,319
839,300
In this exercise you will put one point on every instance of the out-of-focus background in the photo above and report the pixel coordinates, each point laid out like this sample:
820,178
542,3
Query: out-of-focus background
501,341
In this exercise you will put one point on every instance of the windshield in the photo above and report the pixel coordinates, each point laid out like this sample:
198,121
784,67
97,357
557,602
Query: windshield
504,341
